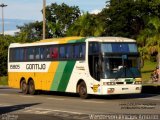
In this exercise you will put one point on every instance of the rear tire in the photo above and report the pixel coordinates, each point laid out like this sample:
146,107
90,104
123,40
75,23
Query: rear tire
31,87
24,87
82,90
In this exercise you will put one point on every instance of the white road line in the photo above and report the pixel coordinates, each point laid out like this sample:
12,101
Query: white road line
92,101
26,96
150,98
5,105
55,99
52,110
4,94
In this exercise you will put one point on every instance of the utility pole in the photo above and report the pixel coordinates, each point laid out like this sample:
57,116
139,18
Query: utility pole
3,5
44,19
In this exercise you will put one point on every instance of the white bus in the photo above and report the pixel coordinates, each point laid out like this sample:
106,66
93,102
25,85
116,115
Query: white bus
95,65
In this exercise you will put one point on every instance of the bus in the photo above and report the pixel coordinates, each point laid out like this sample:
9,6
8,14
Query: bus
87,66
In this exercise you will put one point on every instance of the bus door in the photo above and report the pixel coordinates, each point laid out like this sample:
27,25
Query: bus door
96,68
96,74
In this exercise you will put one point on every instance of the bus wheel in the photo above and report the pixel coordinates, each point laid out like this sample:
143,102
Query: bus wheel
82,89
31,86
24,87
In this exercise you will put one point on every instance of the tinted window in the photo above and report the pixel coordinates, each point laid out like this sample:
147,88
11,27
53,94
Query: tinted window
16,54
37,53
62,52
42,53
82,51
21,54
93,48
30,53
69,51
47,53
54,52
76,51
119,47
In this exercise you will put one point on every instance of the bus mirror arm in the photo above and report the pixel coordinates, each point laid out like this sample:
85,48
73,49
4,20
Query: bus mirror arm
141,62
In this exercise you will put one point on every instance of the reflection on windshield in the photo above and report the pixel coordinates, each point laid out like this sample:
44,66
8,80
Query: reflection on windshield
116,67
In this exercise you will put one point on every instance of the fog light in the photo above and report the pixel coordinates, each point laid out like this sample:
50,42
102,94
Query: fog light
110,90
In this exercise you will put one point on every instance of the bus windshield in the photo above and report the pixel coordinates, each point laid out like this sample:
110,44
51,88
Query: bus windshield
118,67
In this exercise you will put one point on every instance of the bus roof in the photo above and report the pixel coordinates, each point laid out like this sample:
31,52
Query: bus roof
72,40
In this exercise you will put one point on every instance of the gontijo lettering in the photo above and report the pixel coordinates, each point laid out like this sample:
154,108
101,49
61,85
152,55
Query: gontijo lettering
36,66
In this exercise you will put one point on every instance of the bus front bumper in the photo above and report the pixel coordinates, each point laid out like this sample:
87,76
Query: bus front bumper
121,89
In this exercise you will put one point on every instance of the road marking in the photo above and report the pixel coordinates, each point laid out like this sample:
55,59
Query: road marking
45,111
92,101
26,96
150,99
60,111
55,99
4,94
5,105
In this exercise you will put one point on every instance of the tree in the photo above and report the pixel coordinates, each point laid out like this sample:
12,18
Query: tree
4,43
60,17
86,25
30,32
124,18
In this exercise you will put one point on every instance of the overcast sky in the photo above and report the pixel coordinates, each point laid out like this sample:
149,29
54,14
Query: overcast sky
31,9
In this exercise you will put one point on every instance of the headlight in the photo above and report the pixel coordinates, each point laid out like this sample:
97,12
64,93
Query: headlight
138,82
109,83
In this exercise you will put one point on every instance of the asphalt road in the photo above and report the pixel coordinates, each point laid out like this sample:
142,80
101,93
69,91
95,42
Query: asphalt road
50,105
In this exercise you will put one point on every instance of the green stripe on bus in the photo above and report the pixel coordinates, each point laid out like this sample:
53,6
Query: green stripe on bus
58,75
66,76
77,41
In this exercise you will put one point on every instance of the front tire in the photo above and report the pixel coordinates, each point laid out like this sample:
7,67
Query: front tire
82,90
24,87
31,87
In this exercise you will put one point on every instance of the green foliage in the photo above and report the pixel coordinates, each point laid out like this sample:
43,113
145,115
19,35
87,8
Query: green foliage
60,17
4,43
124,18
86,25
4,80
30,32
146,71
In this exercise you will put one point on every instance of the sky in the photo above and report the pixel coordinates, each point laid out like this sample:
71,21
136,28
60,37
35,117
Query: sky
31,9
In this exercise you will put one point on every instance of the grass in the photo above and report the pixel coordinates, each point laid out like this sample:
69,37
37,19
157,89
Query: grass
147,69
4,80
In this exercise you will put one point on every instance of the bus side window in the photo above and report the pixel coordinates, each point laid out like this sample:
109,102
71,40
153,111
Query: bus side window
16,54
30,53
69,52
76,51
42,53
82,51
54,53
62,52
47,53
37,53
21,54
12,54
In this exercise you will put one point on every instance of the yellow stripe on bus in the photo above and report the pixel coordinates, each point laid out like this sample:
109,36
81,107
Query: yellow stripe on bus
60,40
42,80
